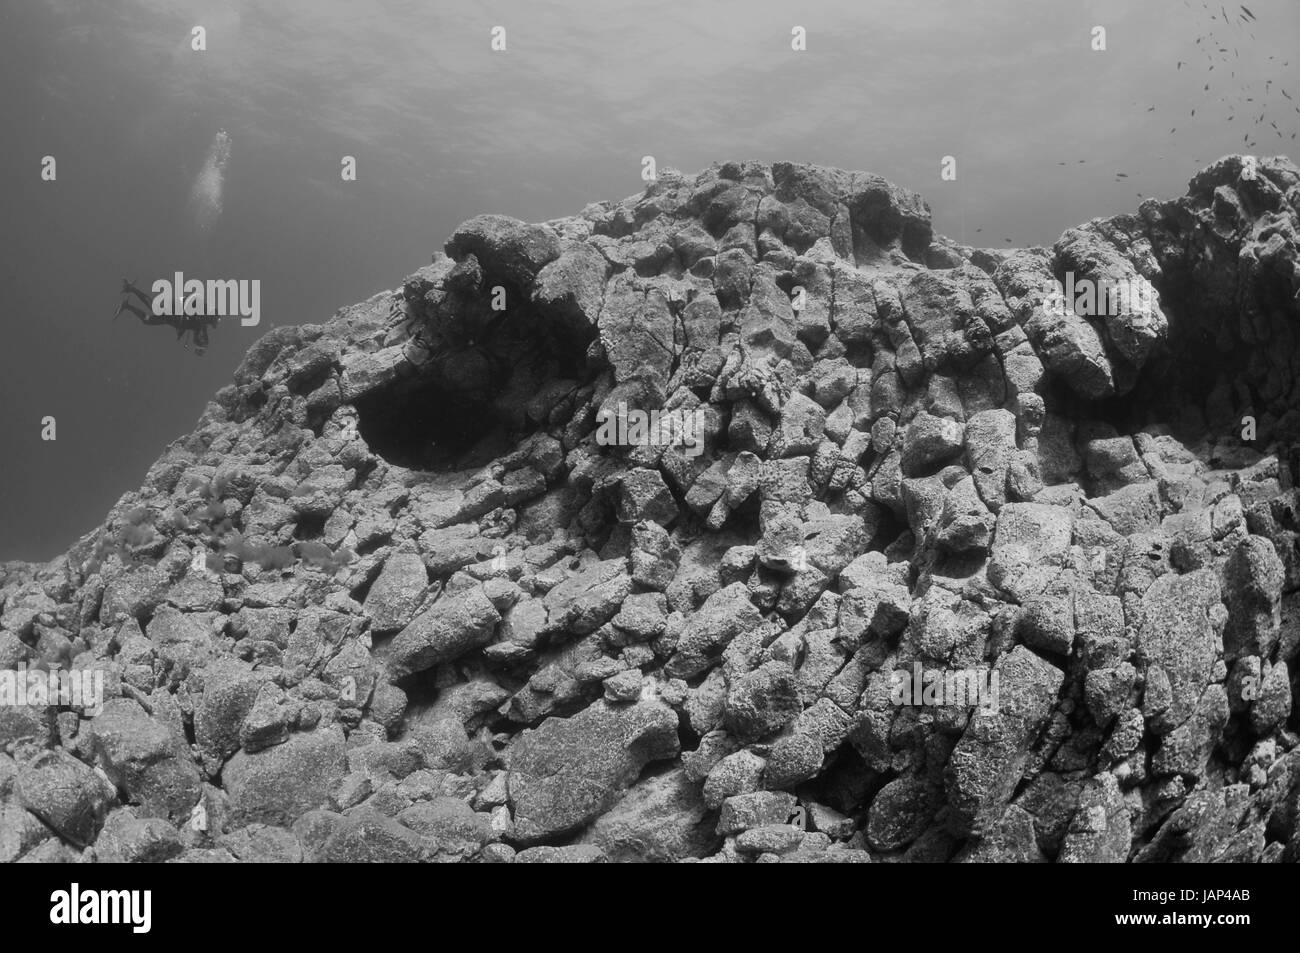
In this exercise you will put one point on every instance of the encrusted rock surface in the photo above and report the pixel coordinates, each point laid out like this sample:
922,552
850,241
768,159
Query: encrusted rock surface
397,599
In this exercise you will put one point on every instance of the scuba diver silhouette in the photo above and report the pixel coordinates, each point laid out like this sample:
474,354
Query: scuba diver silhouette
195,325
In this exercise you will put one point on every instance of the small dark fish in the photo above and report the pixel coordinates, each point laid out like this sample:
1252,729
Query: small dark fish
1180,64
1152,109
1245,9
1121,175
1207,87
1007,240
1082,161
1286,94
1060,163
1193,112
978,230
1174,130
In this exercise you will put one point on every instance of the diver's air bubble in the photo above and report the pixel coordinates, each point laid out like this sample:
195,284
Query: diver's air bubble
209,185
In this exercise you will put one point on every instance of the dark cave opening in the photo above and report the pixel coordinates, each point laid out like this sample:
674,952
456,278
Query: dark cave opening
1126,413
420,424
483,388
1204,379
309,526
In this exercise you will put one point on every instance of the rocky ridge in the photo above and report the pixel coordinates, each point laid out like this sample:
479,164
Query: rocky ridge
392,600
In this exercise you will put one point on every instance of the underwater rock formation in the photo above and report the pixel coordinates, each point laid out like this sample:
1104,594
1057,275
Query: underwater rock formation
399,597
